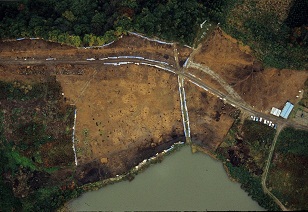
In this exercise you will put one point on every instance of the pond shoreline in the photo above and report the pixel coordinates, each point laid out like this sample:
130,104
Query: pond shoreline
194,174
130,174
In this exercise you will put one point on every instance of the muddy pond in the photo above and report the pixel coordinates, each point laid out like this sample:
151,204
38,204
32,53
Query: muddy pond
183,181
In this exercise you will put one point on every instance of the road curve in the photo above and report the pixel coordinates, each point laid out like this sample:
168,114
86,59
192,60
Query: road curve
231,99
121,60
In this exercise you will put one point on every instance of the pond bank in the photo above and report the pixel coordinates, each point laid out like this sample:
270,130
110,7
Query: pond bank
184,181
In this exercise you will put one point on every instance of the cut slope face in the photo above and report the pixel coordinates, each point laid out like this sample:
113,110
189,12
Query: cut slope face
129,45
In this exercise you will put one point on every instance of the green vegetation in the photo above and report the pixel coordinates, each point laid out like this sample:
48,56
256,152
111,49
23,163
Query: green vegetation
293,141
34,143
16,160
8,202
252,185
259,134
20,91
288,172
49,198
244,152
2,138
95,22
248,145
277,42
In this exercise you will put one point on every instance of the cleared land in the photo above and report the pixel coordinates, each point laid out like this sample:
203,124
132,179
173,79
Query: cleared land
210,118
207,79
260,87
127,45
124,113
129,109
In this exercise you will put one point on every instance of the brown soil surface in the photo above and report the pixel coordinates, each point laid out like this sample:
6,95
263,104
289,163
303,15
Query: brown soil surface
10,73
210,118
272,88
124,113
127,108
127,45
207,79
184,53
261,88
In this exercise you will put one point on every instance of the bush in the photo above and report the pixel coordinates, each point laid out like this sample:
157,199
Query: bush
252,185
293,141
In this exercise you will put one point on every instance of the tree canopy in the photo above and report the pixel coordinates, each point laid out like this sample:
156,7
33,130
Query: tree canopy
99,21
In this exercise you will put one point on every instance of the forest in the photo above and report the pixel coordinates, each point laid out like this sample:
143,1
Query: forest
277,43
95,22
278,35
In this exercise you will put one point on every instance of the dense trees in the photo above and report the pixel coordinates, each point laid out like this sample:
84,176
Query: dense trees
94,22
252,185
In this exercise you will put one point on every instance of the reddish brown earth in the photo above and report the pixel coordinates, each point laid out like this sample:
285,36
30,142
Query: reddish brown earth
210,118
127,45
261,87
207,79
123,110
124,113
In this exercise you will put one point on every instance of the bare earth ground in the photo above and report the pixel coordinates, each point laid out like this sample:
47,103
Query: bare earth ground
123,108
207,79
183,53
209,117
261,88
124,113
127,45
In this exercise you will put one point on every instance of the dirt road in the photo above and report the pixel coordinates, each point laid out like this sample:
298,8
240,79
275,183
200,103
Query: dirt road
264,176
118,61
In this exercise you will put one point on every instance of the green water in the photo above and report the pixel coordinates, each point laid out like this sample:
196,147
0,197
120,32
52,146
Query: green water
183,181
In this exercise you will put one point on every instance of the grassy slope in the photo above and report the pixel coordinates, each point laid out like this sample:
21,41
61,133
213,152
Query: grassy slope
244,153
262,26
39,146
288,172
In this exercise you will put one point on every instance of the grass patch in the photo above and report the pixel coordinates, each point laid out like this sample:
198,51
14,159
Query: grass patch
16,160
244,152
292,141
288,172
34,144
262,27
